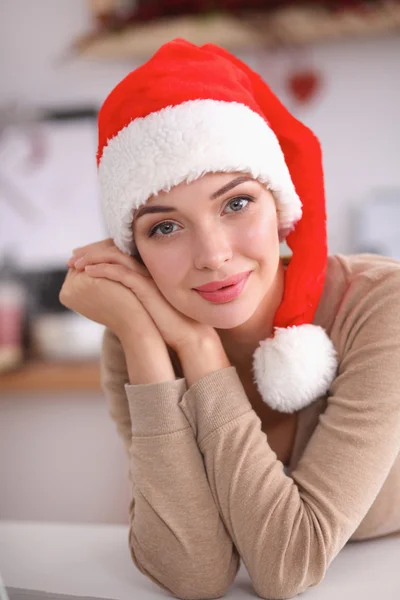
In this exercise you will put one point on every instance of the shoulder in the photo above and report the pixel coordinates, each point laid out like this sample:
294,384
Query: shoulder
366,279
352,283
362,268
361,300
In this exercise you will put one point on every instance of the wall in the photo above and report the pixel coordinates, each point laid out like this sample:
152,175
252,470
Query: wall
61,459
356,116
60,456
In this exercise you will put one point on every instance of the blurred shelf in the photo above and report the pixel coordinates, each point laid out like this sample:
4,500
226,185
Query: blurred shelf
293,25
141,41
36,376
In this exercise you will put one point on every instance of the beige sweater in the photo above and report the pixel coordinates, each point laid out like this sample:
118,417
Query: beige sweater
207,489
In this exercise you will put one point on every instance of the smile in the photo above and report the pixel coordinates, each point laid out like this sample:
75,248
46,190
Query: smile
225,294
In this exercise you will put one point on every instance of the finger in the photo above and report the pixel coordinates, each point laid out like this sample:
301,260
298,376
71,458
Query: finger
144,288
105,242
81,250
71,261
101,255
103,251
111,256
98,255
131,279
114,271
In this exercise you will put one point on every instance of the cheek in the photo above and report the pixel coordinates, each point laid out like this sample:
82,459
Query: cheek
260,236
167,266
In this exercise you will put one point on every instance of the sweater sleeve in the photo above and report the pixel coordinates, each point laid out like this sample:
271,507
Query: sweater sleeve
289,529
177,538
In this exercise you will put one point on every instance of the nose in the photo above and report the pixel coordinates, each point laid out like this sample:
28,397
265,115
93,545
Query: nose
212,248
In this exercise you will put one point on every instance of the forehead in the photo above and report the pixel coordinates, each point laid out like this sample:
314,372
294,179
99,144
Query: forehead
208,184
206,188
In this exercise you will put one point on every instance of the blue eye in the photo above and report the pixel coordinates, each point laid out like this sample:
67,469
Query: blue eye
237,203
239,199
167,224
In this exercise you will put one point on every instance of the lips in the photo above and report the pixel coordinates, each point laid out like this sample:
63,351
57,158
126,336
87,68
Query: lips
217,285
226,293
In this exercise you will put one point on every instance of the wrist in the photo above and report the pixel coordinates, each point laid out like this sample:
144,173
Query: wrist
134,340
203,336
202,355
147,359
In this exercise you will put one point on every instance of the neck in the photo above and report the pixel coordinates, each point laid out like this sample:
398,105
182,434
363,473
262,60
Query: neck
240,342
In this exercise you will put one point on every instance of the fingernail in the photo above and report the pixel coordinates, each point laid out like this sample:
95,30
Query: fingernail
79,262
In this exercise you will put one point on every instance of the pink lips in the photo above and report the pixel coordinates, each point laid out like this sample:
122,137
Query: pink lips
216,285
230,291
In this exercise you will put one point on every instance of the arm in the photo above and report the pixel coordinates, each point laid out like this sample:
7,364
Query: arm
177,538
289,529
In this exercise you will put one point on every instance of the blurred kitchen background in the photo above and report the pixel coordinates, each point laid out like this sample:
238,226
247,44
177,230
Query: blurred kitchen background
336,65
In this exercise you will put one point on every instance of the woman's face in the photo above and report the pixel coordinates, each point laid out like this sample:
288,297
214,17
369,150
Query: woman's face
220,225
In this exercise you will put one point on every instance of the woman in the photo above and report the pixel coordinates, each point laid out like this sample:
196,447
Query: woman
261,419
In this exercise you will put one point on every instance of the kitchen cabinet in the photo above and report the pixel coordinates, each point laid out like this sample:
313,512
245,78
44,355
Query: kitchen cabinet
36,376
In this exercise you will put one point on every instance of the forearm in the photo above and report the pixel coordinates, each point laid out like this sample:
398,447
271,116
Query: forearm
147,360
171,500
201,356
177,536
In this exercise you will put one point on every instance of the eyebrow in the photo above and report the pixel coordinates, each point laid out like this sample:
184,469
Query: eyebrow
155,208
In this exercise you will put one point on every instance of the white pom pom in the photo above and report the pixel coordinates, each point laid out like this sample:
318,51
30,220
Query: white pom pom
295,367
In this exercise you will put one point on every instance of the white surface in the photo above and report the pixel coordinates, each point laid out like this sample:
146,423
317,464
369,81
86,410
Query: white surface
94,560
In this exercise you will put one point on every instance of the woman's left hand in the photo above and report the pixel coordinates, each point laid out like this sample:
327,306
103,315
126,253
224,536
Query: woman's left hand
103,259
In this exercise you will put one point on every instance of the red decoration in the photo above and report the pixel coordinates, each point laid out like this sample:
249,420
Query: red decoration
304,85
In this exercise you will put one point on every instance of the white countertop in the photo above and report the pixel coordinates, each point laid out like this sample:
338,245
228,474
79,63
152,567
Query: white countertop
94,560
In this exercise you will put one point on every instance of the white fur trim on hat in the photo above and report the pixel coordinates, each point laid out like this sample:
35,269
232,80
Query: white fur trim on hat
181,143
295,367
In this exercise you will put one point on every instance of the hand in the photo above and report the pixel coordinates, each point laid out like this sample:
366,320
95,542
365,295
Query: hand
113,305
104,251
108,303
103,260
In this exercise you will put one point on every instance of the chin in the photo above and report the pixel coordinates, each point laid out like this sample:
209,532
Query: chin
232,319
222,316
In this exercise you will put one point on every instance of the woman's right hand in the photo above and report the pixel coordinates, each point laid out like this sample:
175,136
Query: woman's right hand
115,306
104,251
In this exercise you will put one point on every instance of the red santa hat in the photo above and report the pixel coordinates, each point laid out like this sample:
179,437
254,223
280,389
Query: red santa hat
191,110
